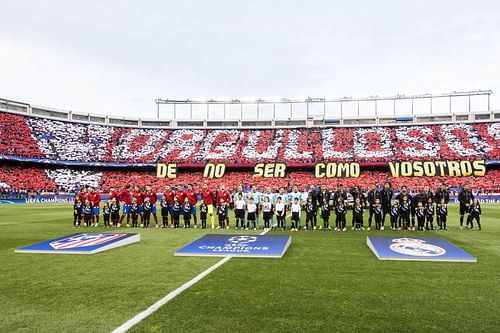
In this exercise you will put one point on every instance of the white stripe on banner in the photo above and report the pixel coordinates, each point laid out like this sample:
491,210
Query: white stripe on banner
174,293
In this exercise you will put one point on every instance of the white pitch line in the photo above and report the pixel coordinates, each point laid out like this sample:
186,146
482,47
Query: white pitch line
174,293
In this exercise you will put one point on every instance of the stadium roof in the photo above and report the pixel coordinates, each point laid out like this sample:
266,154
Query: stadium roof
469,106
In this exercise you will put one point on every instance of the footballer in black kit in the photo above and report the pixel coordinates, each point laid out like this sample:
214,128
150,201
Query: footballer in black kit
386,201
465,198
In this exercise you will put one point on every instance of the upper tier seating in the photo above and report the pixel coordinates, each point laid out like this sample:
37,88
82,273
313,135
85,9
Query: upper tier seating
58,140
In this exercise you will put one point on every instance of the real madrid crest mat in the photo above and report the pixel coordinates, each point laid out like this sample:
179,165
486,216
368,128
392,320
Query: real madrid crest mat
417,249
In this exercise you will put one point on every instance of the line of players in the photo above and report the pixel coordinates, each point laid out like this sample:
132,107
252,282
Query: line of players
140,205
403,211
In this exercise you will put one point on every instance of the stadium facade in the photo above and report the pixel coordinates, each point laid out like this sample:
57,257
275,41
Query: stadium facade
56,150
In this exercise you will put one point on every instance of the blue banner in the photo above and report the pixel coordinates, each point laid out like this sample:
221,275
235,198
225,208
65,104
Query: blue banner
237,246
417,249
81,243
483,198
68,198
46,198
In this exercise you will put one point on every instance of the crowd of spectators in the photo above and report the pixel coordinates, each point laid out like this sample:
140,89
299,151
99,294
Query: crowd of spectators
26,179
15,137
70,180
59,140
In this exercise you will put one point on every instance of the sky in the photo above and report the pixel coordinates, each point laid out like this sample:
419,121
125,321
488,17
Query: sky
117,57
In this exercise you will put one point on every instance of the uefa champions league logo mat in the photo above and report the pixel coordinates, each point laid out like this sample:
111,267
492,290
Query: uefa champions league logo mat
262,246
242,239
81,243
417,249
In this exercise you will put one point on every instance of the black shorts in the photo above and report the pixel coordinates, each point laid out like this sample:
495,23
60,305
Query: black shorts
251,216
239,213
463,209
295,216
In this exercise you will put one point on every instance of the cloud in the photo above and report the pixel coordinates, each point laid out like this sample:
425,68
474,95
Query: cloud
117,57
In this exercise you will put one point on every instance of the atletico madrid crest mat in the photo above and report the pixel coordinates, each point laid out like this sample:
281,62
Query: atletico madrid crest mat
417,249
250,246
81,243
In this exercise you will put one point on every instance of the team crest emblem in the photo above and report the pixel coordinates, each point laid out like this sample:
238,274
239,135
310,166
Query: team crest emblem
81,243
416,247
83,240
242,239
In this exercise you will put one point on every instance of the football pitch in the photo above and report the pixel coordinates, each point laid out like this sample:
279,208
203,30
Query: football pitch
326,282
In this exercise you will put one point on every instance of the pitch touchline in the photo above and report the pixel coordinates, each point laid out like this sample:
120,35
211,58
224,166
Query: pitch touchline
174,293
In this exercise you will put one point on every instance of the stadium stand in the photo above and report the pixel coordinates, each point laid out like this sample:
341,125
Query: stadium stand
58,140
26,178
16,137
69,180
301,178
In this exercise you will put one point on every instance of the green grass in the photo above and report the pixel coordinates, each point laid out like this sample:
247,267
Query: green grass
327,281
